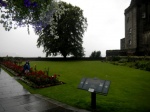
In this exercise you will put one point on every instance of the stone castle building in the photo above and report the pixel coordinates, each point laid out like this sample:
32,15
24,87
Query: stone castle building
137,30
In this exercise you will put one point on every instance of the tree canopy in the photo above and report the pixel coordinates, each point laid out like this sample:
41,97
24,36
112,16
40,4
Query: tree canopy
95,54
18,13
65,32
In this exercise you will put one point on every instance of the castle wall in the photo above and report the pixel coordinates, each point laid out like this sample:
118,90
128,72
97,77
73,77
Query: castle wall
146,46
130,29
116,53
137,30
137,27
122,43
141,23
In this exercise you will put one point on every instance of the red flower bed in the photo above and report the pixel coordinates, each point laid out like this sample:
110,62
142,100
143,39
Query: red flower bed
16,68
38,78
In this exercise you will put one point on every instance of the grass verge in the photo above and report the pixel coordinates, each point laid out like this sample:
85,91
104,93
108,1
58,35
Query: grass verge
129,89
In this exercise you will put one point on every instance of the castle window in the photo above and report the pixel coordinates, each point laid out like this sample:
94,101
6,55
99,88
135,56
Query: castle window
130,30
143,15
130,42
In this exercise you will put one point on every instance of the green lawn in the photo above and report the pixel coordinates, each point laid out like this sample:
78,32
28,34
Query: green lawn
129,90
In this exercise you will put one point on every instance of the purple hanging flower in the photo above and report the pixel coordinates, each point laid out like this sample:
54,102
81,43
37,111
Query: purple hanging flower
34,4
28,3
3,3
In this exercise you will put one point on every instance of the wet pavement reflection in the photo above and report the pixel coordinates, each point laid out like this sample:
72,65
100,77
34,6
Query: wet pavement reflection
14,98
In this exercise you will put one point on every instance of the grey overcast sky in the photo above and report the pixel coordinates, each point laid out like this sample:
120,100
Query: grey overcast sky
105,29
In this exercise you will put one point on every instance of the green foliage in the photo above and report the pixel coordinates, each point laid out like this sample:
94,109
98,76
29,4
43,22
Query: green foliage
95,54
64,34
123,60
116,58
145,65
134,62
129,89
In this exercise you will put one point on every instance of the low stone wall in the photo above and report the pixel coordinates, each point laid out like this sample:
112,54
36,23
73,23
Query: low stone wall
116,53
63,59
128,58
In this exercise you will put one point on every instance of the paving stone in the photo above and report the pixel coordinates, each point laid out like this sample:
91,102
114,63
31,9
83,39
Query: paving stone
16,109
1,109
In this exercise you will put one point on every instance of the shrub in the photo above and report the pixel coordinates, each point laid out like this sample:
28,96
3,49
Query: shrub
116,58
143,65
123,60
148,66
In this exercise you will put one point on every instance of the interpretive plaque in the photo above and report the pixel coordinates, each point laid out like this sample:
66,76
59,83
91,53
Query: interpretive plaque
94,85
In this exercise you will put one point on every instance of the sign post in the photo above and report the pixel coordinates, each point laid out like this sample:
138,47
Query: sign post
95,86
93,100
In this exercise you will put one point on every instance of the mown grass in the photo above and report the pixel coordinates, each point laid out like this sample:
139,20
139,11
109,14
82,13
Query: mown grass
129,90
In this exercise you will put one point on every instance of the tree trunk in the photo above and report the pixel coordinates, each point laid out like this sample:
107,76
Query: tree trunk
64,56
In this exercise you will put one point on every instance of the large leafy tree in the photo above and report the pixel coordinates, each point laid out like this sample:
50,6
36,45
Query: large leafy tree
65,32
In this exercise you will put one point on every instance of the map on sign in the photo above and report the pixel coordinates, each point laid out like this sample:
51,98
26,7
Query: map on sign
91,90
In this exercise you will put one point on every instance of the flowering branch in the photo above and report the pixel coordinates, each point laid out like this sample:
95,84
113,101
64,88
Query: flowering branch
20,13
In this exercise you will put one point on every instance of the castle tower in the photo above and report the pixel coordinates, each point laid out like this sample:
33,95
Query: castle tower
137,28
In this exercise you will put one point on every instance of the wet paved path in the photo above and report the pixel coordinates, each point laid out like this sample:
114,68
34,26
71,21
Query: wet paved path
14,98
